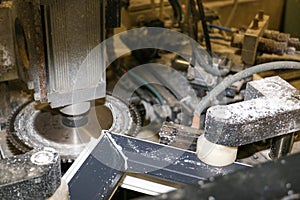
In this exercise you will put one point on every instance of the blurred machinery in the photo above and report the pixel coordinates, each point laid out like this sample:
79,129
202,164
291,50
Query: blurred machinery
257,38
67,99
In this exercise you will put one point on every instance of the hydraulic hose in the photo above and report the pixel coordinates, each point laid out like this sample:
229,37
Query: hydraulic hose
228,81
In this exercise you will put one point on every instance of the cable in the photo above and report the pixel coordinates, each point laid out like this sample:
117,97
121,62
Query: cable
152,89
179,9
197,57
165,83
200,59
220,27
175,12
204,26
229,19
222,32
218,38
176,9
111,52
193,11
228,81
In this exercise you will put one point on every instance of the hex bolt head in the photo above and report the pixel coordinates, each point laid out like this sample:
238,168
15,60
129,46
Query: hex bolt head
255,24
261,15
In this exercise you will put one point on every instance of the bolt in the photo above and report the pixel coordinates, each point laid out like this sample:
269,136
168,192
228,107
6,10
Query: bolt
255,24
30,85
290,50
261,15
37,96
45,156
176,109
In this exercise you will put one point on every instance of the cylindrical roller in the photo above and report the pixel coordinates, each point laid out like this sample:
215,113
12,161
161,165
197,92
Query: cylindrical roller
271,46
276,35
215,154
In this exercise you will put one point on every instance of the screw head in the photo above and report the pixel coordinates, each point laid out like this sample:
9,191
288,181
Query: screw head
261,15
45,156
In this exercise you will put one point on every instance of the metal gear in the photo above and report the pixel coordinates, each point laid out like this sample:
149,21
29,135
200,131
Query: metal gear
35,125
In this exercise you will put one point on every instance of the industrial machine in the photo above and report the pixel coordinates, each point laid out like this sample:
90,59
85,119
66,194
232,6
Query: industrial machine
169,104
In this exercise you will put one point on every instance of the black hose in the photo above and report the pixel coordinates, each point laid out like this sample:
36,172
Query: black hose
176,9
179,9
204,26
195,19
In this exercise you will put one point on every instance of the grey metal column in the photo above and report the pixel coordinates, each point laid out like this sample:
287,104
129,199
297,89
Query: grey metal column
281,145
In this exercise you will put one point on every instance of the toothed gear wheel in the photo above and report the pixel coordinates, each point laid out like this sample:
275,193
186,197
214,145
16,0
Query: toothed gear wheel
35,125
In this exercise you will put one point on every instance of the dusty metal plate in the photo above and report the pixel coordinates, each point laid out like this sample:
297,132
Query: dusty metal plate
34,175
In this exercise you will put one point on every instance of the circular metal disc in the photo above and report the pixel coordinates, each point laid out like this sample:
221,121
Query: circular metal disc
36,125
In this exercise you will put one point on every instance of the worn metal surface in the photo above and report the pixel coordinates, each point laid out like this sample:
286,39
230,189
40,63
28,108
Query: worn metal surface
271,87
29,49
254,32
33,126
276,35
272,111
73,29
4,104
180,136
54,39
34,175
8,69
112,155
294,42
278,179
266,45
271,46
113,13
281,146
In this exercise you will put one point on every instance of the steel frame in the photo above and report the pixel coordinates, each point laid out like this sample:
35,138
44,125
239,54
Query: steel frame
97,172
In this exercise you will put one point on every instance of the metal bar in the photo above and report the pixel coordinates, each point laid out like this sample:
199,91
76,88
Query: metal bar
145,186
165,162
98,170
278,179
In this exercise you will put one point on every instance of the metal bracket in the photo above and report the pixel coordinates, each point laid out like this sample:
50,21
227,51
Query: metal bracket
251,39
274,110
